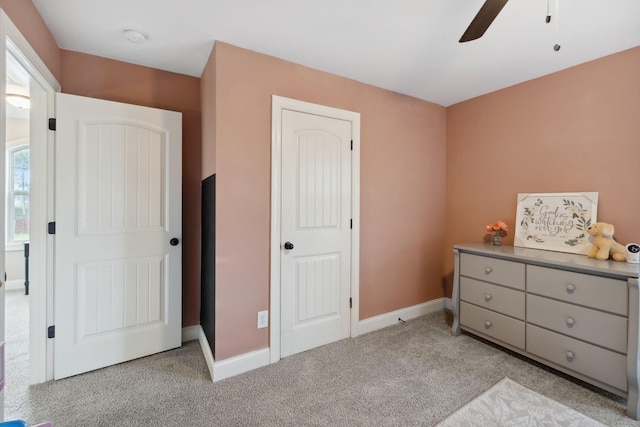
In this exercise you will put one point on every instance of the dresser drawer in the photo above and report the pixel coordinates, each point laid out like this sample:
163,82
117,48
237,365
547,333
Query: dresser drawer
506,273
595,362
604,329
497,298
601,293
495,325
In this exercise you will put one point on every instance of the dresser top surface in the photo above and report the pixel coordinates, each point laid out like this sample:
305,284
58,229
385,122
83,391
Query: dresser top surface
554,259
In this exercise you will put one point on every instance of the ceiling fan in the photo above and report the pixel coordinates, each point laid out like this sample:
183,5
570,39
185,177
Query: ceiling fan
483,19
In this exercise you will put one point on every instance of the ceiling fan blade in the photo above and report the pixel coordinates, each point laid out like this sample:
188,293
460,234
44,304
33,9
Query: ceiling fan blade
485,16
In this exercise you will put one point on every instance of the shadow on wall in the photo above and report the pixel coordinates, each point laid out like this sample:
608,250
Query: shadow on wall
447,285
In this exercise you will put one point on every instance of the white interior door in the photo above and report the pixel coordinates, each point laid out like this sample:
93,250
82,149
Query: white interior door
117,279
316,216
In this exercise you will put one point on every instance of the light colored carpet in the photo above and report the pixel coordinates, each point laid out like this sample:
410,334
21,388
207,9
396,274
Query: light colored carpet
509,404
412,374
16,351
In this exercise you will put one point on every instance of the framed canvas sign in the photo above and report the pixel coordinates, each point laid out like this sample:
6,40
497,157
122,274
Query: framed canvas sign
555,221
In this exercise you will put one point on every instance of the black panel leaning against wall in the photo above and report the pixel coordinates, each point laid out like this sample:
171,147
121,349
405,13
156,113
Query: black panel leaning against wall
208,275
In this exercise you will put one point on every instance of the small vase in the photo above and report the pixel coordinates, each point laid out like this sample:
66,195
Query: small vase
496,239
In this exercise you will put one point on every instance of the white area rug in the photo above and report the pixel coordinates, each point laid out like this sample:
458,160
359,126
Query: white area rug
510,404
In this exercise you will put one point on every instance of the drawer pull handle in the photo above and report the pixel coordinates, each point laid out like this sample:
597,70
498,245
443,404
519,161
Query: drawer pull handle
570,288
570,321
488,270
487,297
570,356
487,324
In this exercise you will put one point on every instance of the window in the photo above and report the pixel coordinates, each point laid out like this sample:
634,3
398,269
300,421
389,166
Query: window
18,181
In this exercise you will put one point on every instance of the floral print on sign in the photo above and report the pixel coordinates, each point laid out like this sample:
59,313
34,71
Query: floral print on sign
555,221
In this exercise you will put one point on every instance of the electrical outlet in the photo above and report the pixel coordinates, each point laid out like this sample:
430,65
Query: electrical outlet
263,319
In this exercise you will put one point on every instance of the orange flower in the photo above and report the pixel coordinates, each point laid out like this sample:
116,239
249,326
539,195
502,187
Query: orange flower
497,226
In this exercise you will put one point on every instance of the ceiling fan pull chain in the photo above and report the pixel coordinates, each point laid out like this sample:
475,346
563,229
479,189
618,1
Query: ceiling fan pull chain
548,18
556,47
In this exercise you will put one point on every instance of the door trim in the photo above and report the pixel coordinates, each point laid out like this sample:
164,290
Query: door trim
40,297
278,104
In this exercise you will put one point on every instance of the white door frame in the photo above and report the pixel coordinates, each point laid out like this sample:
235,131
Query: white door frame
278,104
41,298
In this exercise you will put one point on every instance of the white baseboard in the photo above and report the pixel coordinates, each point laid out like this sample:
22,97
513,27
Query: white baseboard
229,367
191,333
448,304
240,364
387,319
206,350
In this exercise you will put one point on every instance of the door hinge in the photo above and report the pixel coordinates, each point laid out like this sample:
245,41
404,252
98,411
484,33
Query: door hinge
52,124
51,331
351,224
350,302
51,228
352,145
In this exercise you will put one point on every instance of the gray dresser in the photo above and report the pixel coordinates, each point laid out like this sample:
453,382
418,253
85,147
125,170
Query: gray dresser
570,312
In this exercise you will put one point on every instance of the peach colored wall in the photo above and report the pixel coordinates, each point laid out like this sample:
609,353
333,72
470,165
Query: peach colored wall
102,78
208,91
575,130
402,189
26,17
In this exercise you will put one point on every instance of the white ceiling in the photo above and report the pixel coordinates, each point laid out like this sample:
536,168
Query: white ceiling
407,46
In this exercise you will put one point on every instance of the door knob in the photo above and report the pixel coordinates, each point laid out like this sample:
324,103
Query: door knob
288,246
174,242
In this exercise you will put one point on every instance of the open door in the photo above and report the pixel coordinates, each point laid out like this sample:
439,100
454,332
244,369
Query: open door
118,225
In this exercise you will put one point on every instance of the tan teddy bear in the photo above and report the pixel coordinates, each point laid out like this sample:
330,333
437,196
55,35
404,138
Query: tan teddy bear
603,243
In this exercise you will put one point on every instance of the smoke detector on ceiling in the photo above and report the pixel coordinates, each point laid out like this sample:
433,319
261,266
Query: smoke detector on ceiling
135,36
